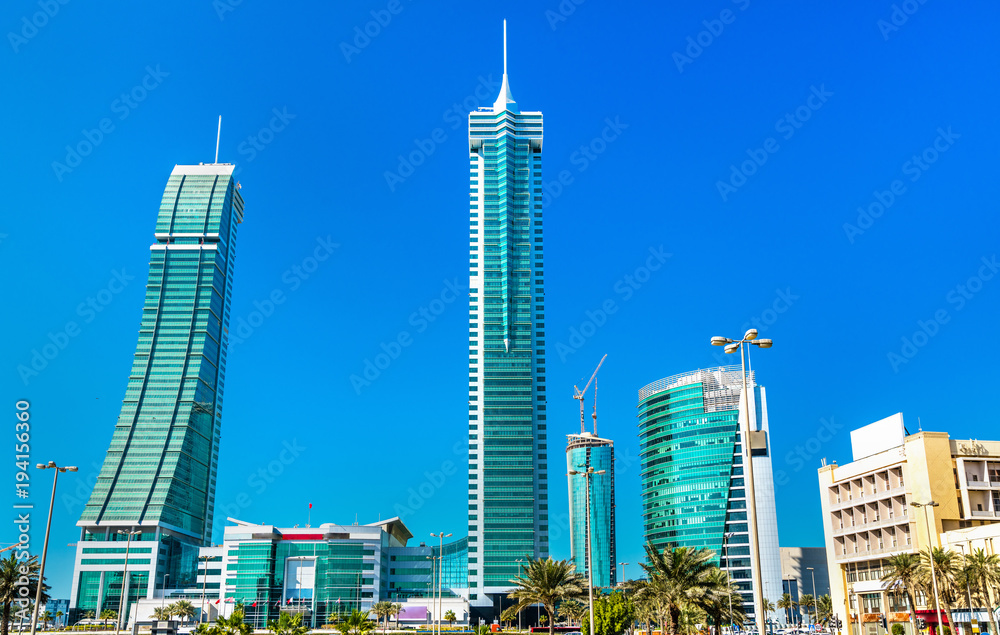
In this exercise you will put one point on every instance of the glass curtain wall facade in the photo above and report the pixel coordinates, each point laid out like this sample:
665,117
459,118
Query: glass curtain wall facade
410,574
160,469
508,497
584,451
693,490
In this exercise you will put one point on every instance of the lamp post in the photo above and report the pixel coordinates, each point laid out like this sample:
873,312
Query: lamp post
45,545
588,474
432,589
121,602
163,598
622,565
441,536
204,580
729,583
815,599
930,555
750,337
519,560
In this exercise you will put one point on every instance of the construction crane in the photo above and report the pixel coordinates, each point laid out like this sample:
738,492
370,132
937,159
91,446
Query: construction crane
580,393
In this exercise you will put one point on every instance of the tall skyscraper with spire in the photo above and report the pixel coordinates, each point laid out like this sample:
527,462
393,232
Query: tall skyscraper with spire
508,489
155,493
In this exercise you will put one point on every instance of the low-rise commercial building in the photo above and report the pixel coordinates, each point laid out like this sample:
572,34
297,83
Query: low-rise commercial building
871,512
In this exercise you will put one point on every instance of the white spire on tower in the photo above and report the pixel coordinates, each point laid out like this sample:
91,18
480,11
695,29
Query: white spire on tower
505,101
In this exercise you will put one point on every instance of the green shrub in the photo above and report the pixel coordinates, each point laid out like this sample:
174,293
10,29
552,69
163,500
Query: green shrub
897,629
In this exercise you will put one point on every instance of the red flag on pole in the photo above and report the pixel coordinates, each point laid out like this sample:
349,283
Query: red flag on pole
219,600
310,505
254,604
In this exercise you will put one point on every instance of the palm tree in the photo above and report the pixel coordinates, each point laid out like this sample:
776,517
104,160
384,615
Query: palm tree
450,616
234,624
946,570
183,609
679,577
983,572
807,602
547,582
287,624
902,572
397,608
724,604
10,573
46,617
824,609
788,604
88,615
109,614
355,623
382,610
59,615
572,610
162,613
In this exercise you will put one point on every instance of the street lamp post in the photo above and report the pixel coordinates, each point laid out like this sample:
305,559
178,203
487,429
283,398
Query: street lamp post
441,536
588,474
121,602
750,337
815,599
204,586
930,555
622,564
45,545
432,589
519,612
163,598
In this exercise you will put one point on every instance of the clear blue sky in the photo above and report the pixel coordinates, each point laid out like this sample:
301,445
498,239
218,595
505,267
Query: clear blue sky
864,100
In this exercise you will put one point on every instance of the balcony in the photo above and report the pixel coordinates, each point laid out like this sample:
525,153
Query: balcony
885,521
868,554
985,514
868,497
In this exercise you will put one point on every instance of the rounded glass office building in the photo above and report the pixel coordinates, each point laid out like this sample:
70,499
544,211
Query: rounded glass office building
692,472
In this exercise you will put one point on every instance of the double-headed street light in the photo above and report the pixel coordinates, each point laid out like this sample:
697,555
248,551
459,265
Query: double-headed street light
750,337
45,545
441,536
588,474
930,556
622,565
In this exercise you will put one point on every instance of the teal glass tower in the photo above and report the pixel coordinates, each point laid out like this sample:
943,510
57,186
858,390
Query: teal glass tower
693,490
158,477
585,451
508,497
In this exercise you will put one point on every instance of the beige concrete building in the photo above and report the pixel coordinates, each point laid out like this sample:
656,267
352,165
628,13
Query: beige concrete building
869,512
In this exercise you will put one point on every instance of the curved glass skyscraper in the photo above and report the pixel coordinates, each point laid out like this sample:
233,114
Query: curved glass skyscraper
692,473
584,451
158,477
